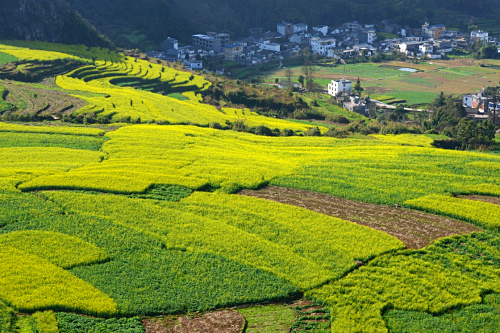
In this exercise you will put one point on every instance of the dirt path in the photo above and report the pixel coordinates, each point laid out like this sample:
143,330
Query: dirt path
415,229
493,200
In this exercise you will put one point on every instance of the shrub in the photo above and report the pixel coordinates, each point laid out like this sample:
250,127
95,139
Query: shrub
263,130
314,131
337,118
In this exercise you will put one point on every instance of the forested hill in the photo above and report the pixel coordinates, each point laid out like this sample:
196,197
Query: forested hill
47,20
144,23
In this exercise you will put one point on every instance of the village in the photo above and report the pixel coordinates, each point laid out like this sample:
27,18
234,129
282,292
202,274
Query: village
345,43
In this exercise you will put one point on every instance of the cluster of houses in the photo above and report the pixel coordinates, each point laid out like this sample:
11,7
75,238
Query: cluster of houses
481,106
348,40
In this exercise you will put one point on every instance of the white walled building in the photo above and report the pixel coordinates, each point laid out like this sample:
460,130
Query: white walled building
267,45
337,86
426,48
300,27
479,35
467,101
322,29
321,46
285,28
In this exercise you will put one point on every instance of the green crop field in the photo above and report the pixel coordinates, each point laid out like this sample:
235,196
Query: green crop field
105,225
379,80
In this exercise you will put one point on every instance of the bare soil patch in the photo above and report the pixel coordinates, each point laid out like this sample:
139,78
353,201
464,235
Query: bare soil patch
484,198
40,102
215,322
414,228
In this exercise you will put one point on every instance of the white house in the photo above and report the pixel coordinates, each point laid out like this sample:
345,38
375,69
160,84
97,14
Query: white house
321,46
426,48
285,28
267,45
322,29
337,86
467,101
368,36
479,35
300,27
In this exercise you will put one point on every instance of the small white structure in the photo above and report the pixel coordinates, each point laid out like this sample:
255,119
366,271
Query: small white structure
426,48
467,101
321,46
300,27
267,45
322,29
337,86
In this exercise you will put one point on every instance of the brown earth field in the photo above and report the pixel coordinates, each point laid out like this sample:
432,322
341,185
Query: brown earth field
39,101
226,321
414,228
493,200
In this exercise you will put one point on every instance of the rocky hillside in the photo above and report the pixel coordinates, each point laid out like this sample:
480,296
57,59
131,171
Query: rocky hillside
47,20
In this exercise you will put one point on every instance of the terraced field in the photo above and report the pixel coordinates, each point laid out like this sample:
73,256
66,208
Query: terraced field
38,103
139,228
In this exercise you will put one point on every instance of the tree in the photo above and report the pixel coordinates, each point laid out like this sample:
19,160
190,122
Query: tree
472,135
288,74
358,88
301,80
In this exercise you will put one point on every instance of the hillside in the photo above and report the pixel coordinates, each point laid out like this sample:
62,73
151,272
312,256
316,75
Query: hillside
125,208
138,23
47,20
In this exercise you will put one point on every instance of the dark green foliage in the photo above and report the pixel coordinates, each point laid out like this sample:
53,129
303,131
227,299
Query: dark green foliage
239,125
475,135
263,130
487,52
358,88
164,192
337,118
313,131
47,20
447,114
72,323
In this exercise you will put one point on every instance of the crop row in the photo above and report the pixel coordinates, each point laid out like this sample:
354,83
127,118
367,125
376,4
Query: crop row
85,131
10,139
366,170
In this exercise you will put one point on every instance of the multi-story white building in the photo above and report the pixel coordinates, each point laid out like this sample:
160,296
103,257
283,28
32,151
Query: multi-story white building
212,41
479,35
337,86
368,36
321,46
285,28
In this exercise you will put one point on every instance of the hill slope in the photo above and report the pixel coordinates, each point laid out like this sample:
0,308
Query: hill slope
144,23
47,20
